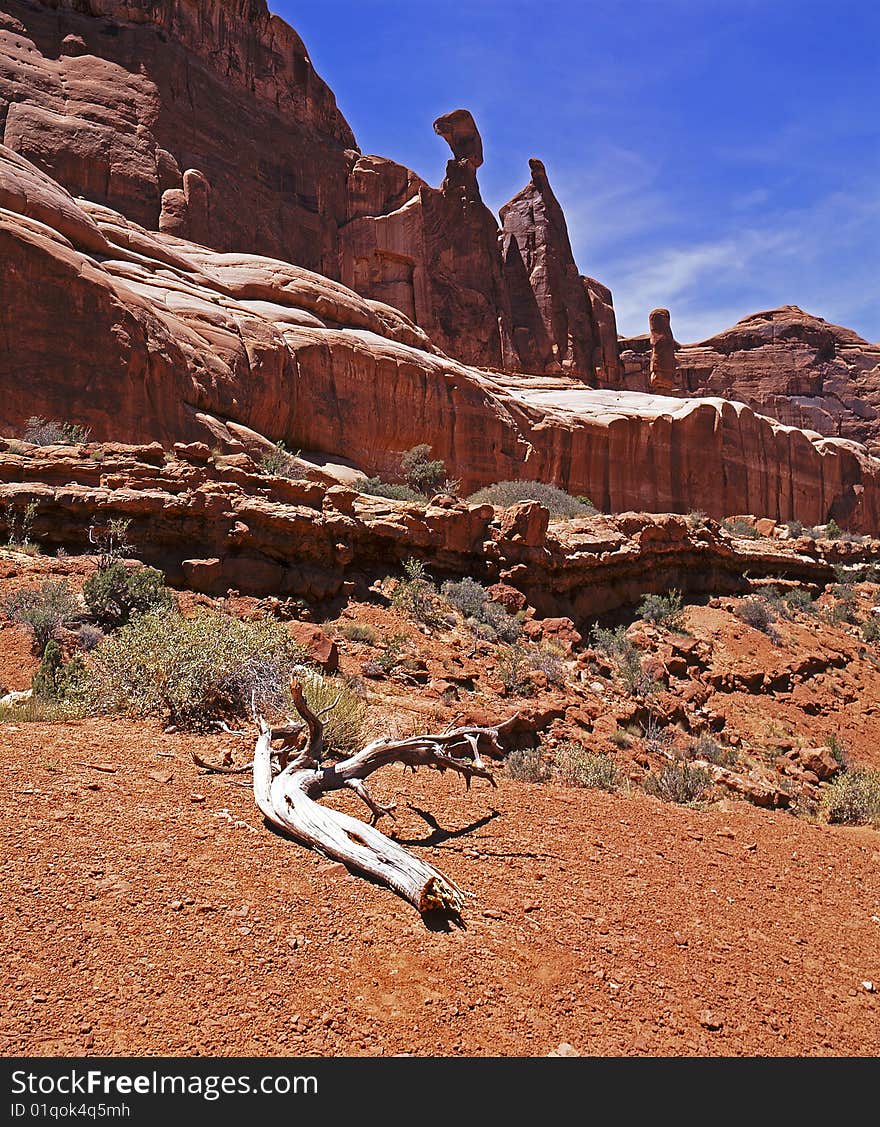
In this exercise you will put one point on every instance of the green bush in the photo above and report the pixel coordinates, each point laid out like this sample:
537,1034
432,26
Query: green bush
663,610
375,487
55,680
527,766
741,528
707,748
358,632
548,659
833,531
579,767
846,603
192,671
416,595
871,629
421,473
117,593
484,617
756,612
51,432
560,505
418,477
800,601
279,462
20,527
344,725
678,782
43,610
853,799
513,670
617,646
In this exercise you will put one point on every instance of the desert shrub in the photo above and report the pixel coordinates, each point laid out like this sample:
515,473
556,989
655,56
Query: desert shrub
617,646
358,632
38,710
421,473
111,540
392,655
115,594
513,670
44,682
192,671
740,527
466,595
279,461
800,601
579,767
839,751
88,636
845,606
375,487
560,505
43,610
697,518
20,527
416,595
853,799
795,529
549,660
663,610
620,739
756,612
678,782
707,748
833,531
655,731
484,617
416,478
871,629
52,432
345,724
527,766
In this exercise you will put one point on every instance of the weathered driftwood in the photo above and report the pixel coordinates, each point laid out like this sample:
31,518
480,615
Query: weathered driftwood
290,781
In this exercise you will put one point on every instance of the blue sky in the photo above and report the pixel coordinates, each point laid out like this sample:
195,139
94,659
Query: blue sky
713,156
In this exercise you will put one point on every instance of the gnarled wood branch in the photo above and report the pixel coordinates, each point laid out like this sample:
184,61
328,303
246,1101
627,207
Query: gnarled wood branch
289,783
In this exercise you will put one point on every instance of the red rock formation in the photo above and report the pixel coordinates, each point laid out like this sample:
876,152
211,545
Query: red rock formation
534,219
606,356
218,524
432,253
142,335
663,378
205,120
784,363
115,99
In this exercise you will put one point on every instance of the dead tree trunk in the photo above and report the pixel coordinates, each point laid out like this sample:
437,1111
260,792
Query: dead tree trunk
289,783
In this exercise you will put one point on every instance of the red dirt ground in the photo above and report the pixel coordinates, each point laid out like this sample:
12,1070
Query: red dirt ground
148,910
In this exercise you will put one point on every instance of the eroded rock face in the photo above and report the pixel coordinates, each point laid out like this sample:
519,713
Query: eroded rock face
221,524
662,352
149,337
118,99
205,119
534,220
784,363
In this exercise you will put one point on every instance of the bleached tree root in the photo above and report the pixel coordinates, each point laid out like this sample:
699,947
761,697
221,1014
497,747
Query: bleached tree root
289,783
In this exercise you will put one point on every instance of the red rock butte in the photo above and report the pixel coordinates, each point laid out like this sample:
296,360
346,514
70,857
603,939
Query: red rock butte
194,248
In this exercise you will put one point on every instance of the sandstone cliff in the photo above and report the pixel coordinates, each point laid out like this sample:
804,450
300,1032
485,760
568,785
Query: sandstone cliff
206,120
782,362
215,522
141,335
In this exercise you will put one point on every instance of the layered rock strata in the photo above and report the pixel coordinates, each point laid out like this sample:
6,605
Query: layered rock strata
142,335
215,522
